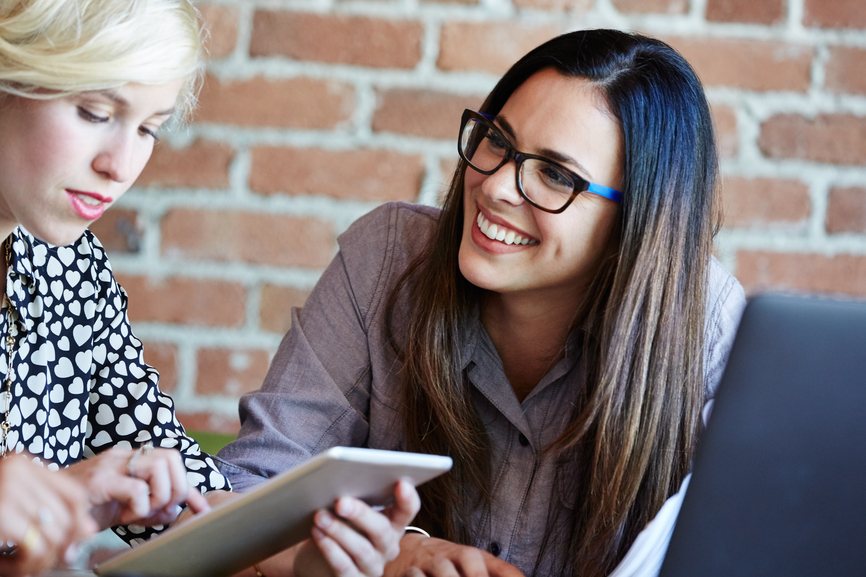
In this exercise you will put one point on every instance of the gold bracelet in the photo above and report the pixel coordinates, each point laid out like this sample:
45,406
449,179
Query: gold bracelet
258,571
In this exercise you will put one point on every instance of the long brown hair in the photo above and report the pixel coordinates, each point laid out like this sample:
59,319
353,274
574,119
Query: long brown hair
632,433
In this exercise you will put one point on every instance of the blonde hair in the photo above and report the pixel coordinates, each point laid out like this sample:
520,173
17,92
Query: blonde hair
54,48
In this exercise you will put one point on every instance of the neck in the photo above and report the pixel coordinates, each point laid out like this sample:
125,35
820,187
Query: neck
529,334
6,228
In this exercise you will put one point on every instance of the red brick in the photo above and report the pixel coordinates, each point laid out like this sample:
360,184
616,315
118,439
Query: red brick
831,138
840,274
558,5
288,103
355,40
846,70
835,13
210,422
846,210
748,64
163,357
727,137
230,372
750,11
275,313
765,203
235,236
118,230
221,22
422,112
185,301
652,6
490,46
346,174
201,164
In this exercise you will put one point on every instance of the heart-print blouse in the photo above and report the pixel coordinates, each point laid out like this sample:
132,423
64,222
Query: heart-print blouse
80,383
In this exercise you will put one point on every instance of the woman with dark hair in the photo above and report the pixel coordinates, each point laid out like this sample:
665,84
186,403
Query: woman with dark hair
557,328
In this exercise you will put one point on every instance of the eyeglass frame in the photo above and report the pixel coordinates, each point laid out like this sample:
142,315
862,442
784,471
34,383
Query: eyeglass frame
580,184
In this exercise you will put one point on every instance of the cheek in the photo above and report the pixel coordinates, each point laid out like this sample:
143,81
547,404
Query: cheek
142,156
472,179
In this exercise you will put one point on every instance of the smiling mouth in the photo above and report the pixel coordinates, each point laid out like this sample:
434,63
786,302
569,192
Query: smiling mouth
501,233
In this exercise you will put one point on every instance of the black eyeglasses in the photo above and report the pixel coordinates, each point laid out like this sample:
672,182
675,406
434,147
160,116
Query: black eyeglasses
542,182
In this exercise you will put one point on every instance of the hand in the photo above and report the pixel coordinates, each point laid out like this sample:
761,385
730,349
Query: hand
360,540
422,556
44,513
127,486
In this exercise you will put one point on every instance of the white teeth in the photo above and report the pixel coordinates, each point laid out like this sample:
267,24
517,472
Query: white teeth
500,233
88,200
492,231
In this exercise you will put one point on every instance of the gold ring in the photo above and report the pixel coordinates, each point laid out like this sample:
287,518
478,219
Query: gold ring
31,538
145,450
130,464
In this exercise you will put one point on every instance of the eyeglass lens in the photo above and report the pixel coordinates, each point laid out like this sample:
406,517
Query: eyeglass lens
545,184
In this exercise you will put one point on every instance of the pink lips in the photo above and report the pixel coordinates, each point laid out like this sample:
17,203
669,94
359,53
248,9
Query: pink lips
88,211
494,246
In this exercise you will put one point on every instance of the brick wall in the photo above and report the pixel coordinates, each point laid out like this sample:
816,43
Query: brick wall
315,111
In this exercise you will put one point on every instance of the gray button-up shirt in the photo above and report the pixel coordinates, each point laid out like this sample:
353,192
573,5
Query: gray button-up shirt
334,381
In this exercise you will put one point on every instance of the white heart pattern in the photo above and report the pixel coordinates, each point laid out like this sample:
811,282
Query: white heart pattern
80,384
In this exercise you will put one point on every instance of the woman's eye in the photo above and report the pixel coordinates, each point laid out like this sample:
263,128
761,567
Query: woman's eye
148,132
496,141
556,179
91,117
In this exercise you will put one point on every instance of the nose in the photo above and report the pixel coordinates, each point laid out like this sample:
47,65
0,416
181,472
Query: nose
502,184
117,159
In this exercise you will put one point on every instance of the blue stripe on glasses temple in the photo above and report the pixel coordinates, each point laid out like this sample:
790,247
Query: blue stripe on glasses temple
594,188
604,191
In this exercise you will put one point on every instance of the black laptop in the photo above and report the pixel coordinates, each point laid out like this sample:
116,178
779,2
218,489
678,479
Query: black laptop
779,482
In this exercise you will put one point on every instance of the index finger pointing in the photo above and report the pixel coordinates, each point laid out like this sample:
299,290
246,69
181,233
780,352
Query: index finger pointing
196,501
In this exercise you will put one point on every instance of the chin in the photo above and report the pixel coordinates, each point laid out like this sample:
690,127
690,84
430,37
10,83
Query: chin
56,235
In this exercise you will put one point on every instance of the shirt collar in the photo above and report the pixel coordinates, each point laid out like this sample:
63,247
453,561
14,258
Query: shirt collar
487,374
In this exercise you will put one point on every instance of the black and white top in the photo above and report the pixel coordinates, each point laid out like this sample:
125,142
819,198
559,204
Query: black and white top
81,385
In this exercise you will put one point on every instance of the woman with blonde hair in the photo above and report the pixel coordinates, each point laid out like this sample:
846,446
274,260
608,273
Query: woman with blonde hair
85,89
556,328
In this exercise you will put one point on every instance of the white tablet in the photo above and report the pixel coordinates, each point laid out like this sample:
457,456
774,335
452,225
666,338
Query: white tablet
274,515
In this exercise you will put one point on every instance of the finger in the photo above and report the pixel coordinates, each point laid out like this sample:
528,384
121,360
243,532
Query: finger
413,572
177,474
153,469
196,502
353,544
377,527
77,507
474,562
442,567
134,497
341,564
406,505
36,553
164,516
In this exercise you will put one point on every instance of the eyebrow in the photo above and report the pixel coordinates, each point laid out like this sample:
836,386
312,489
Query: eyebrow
546,152
124,103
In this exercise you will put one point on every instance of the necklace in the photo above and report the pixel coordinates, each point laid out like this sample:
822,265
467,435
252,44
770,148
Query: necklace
6,396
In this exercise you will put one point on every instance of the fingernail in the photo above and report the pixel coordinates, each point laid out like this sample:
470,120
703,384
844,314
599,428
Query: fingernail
345,507
317,534
71,555
324,519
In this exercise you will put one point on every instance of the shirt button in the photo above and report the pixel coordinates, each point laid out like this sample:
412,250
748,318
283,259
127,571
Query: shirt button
495,549
523,440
